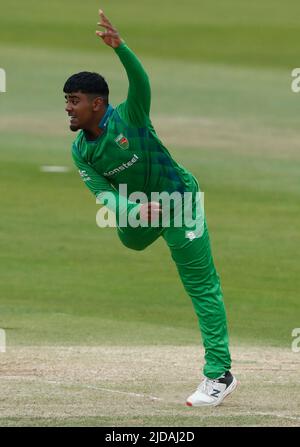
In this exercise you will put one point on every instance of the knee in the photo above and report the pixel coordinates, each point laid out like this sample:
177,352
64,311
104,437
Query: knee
133,246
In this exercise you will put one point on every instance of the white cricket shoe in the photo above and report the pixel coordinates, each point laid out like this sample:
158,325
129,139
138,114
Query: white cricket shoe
212,391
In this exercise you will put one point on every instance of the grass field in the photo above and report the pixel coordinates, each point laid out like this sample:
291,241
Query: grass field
71,294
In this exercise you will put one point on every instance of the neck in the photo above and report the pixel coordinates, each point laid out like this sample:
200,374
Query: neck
98,127
93,132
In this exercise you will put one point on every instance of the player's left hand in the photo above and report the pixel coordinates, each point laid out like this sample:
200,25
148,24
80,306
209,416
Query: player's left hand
110,36
150,211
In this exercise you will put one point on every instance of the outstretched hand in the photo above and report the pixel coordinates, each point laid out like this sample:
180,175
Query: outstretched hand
110,36
150,211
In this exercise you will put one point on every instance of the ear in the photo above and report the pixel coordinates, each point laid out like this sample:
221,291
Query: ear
98,104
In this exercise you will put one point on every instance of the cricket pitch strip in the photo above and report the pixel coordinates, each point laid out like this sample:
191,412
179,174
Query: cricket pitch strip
143,386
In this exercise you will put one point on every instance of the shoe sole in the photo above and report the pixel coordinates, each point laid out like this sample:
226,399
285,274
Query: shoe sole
228,391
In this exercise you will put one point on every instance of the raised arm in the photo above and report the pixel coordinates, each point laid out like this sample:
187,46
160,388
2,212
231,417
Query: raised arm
136,108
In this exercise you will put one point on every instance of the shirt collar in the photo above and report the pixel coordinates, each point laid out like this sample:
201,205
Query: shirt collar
104,121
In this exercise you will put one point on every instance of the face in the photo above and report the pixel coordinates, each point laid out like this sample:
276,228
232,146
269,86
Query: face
81,109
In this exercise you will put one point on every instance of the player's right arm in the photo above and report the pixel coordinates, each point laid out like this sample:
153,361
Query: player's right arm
136,108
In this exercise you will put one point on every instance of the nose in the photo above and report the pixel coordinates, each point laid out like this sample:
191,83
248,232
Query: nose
68,107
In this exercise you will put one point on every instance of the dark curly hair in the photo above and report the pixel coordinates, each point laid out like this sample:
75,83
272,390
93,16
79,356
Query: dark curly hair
87,82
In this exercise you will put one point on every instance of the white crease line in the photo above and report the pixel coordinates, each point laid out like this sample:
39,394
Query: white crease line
277,415
29,377
54,382
104,389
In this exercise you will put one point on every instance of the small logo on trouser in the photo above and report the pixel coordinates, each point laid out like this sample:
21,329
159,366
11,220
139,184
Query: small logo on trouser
191,235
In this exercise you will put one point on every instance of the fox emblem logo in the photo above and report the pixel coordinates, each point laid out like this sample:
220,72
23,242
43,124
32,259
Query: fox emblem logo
122,141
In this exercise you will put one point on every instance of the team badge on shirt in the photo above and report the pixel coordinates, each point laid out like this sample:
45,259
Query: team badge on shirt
122,141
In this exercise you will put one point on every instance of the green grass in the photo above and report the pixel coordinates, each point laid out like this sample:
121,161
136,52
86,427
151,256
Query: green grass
257,33
64,280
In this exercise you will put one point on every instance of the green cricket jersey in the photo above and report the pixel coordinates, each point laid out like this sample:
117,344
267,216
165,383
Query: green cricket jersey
129,151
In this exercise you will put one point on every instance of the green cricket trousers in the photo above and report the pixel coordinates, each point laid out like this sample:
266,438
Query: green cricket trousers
201,281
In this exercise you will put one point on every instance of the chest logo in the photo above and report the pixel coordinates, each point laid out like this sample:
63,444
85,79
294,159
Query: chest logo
122,141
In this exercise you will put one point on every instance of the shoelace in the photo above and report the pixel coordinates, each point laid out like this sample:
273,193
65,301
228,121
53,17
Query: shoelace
207,385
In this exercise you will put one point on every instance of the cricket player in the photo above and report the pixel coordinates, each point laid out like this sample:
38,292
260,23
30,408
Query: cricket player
119,146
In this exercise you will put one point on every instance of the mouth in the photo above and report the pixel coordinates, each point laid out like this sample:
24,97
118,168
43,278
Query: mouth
72,119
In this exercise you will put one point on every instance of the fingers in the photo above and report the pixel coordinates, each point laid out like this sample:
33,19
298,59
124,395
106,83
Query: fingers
150,211
103,17
105,25
99,33
155,206
106,34
110,31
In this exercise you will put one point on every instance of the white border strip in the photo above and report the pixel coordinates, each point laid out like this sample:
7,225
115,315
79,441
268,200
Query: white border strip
48,168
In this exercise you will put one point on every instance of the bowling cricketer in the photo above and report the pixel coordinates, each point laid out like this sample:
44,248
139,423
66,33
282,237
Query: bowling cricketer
118,146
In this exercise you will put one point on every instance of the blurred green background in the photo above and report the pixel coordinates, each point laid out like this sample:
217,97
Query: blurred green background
222,103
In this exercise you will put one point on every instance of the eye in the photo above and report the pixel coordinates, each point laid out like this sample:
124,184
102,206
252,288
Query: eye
74,102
